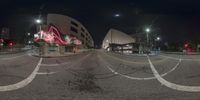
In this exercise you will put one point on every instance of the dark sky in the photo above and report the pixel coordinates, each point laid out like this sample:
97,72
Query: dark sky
177,20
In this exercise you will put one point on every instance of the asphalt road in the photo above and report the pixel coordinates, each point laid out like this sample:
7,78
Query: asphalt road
99,75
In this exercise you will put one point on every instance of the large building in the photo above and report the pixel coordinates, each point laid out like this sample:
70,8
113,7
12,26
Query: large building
62,34
70,26
116,37
119,41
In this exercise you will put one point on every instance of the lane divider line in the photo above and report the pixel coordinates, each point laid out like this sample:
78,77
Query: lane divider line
138,78
46,73
28,80
174,58
170,84
49,65
24,82
122,60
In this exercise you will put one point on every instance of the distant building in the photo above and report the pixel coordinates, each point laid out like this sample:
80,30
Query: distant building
141,41
120,42
5,33
29,39
116,37
198,47
139,37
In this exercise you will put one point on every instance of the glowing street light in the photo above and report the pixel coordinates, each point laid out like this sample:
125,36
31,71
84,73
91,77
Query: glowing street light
147,30
28,34
38,21
147,34
158,39
29,42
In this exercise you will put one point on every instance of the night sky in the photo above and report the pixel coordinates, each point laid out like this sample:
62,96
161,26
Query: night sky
175,20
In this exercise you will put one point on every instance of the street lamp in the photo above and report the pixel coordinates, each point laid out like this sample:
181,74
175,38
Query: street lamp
158,39
157,44
28,34
147,34
147,30
39,21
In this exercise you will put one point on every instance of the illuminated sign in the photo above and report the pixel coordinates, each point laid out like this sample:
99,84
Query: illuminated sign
54,36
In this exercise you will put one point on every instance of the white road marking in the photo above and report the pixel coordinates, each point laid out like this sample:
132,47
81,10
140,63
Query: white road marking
12,57
138,78
49,65
134,62
28,80
178,58
46,73
170,84
24,82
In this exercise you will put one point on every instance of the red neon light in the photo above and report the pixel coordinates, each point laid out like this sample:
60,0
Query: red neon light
56,35
1,40
53,36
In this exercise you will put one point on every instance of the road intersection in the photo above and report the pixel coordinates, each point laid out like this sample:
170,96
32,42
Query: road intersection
175,73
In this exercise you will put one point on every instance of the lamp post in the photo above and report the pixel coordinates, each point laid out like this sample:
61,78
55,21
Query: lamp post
147,36
39,21
158,48
158,39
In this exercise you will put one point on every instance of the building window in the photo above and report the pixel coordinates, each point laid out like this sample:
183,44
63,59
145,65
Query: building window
82,35
82,29
74,23
74,29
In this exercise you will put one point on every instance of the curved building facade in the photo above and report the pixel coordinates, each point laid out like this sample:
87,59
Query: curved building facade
70,26
116,37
